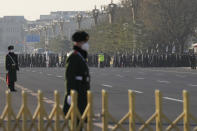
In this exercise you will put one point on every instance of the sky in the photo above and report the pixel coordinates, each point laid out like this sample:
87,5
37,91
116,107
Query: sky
32,9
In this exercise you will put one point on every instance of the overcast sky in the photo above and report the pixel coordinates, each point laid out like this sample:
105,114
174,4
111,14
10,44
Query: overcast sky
32,9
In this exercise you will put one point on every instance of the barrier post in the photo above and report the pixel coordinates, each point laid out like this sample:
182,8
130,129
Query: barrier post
104,110
8,98
131,111
74,111
24,115
158,110
57,113
40,115
90,112
186,111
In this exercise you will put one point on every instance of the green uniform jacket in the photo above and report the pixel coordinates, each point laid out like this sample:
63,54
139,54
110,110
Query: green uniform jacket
77,78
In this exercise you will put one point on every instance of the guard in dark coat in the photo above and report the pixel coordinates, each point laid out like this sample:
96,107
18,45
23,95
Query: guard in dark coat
193,61
77,72
12,68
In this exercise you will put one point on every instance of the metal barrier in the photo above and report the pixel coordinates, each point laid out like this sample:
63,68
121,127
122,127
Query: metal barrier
40,120
158,116
74,121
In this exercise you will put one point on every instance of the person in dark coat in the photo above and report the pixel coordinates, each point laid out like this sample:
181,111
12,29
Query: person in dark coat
77,76
193,61
12,68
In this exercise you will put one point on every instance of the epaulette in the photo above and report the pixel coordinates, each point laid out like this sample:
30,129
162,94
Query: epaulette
75,52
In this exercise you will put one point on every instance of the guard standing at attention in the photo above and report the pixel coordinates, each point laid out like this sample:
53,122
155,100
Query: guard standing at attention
77,76
193,61
12,68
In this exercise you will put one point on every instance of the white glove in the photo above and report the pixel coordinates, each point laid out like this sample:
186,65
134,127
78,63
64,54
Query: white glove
69,100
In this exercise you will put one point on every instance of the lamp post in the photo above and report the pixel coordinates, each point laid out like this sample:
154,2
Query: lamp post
79,20
112,9
53,25
134,6
26,31
45,29
61,23
95,13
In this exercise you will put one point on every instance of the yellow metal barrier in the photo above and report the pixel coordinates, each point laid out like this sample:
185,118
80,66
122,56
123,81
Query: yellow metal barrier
186,115
74,121
40,120
158,116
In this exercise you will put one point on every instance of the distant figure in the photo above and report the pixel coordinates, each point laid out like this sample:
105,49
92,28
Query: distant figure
11,63
193,61
101,59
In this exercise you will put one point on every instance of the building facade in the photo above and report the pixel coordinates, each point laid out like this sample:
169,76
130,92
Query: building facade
12,32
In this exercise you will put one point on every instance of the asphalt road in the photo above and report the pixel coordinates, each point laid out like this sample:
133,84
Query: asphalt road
116,81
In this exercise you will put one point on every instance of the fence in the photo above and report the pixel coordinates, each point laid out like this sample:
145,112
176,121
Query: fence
74,121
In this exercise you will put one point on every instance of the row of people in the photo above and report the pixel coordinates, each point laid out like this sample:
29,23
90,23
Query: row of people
41,60
143,60
117,60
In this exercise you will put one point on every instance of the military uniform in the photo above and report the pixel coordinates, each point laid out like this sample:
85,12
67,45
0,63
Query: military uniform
193,61
77,78
12,68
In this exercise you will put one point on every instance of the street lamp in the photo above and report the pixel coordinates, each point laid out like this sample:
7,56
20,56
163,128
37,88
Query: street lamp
26,31
45,29
95,13
79,20
61,23
112,8
53,25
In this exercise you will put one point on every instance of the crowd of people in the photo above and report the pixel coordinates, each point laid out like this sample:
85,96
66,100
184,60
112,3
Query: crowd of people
40,60
145,60
116,60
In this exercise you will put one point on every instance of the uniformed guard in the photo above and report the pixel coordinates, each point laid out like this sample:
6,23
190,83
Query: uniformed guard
101,58
77,72
193,61
12,67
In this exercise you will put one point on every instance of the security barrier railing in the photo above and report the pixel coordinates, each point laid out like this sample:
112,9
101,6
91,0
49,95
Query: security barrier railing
74,121
158,116
40,120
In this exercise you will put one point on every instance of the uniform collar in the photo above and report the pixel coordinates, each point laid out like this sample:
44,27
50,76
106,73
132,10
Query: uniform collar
82,52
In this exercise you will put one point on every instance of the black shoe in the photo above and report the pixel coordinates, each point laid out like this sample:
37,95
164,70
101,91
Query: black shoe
14,90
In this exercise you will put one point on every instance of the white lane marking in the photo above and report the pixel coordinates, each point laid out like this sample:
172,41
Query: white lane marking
118,75
100,125
170,71
40,72
139,78
59,76
173,99
182,76
159,74
107,85
45,99
166,82
49,74
33,71
192,85
137,91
